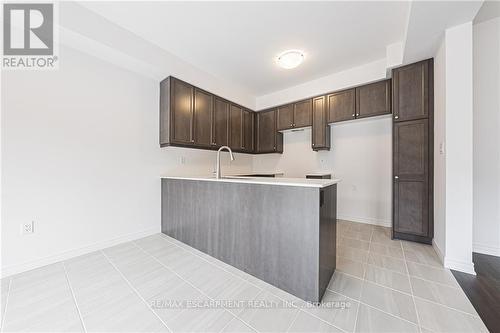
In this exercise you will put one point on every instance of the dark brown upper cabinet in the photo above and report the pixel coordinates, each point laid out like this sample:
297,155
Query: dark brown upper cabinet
248,131
302,113
193,117
298,114
236,127
176,112
320,128
220,123
341,105
373,99
202,119
268,140
285,117
411,87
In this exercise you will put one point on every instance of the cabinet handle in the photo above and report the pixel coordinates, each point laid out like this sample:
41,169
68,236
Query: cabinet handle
396,117
396,177
357,114
353,115
313,144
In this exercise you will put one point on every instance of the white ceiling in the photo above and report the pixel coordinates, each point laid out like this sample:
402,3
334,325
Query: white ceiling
237,41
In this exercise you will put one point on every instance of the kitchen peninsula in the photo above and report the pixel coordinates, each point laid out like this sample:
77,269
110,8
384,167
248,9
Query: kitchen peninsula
280,230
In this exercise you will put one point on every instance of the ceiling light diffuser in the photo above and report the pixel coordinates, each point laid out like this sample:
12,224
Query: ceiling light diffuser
290,59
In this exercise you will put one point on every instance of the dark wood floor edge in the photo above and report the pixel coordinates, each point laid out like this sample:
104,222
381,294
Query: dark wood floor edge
483,289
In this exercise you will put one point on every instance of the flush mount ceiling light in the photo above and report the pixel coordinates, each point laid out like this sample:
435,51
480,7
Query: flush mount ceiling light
290,59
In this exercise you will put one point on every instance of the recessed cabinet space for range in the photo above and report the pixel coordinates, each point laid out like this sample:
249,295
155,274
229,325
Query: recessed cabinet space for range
413,152
294,115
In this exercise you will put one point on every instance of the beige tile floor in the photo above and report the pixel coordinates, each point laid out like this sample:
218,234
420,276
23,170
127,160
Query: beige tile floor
159,284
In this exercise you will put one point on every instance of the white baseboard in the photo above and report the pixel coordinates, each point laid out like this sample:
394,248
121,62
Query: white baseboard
438,251
28,265
366,220
461,266
486,249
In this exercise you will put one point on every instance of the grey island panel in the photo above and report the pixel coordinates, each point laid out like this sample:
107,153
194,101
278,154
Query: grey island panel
271,232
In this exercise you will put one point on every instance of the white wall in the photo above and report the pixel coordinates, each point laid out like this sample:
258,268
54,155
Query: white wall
487,137
459,156
372,71
361,152
83,29
80,157
439,241
360,155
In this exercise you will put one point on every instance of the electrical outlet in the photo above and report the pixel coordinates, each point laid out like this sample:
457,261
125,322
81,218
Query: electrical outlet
28,228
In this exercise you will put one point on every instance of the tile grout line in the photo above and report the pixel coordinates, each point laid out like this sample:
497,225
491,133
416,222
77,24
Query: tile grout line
418,297
411,289
391,271
409,294
362,285
183,279
237,319
253,284
371,306
448,307
391,257
362,279
236,316
293,321
6,304
74,297
135,290
409,277
208,261
374,307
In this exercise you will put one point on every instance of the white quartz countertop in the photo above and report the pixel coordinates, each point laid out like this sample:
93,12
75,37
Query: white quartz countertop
303,182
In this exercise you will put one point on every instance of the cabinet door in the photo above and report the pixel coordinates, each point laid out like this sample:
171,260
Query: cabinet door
266,131
235,127
285,117
411,177
302,113
373,99
410,86
341,105
203,107
248,121
220,124
182,112
320,128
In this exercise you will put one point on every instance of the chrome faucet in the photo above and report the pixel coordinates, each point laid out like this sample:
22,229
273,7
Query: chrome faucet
217,166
